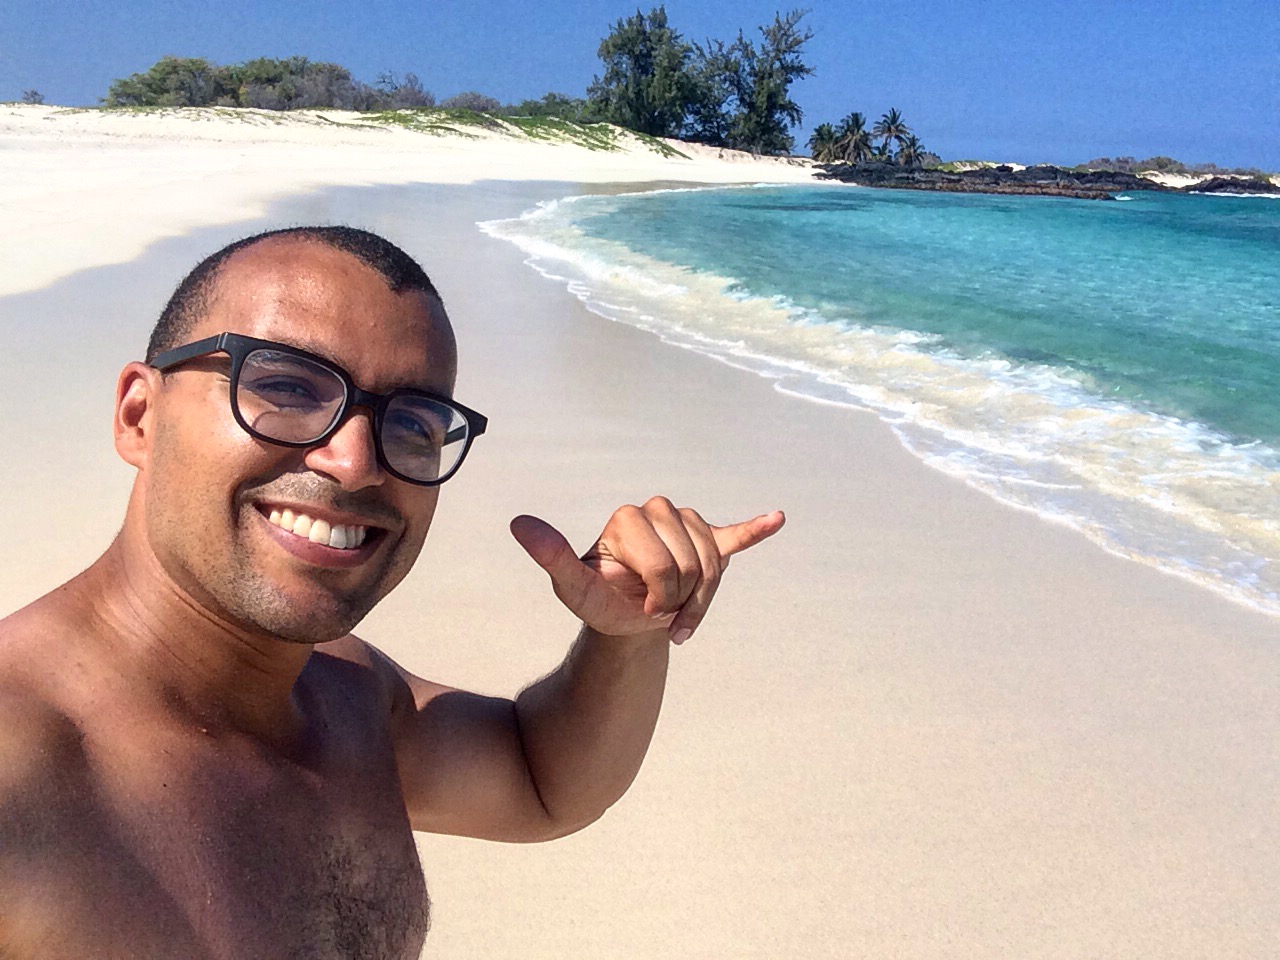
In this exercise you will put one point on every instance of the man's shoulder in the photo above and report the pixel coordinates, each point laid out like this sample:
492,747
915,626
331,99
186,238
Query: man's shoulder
32,631
30,719
41,747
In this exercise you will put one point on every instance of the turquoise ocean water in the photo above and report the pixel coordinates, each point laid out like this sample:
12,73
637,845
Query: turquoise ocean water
1111,366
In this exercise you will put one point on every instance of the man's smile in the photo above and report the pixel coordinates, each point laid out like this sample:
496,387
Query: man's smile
337,535
327,541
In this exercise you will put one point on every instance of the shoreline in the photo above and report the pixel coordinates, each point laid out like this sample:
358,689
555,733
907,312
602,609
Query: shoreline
914,719
1189,553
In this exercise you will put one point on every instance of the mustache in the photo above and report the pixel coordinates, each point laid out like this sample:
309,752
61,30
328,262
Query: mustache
314,489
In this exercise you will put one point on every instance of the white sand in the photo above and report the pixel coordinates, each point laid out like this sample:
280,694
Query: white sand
916,725
1181,180
70,179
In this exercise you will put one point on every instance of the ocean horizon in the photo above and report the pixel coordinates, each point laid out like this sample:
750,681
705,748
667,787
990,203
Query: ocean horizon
1111,366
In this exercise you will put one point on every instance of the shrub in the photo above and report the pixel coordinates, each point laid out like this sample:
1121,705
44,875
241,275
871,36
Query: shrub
470,100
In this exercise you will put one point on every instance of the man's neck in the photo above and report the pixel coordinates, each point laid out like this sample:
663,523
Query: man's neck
194,660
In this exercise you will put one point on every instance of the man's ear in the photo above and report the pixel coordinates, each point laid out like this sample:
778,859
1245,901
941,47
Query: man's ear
134,424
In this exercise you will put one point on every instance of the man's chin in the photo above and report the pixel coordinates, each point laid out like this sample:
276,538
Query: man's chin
308,617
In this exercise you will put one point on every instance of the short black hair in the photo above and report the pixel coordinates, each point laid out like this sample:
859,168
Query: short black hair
193,296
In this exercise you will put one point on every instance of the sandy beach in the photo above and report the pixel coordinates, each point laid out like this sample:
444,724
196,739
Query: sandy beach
917,723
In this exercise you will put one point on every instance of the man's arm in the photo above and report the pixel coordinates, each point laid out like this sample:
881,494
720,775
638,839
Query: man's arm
568,747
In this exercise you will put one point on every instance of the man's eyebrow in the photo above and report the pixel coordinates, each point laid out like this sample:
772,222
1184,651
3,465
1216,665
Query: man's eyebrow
311,347
320,351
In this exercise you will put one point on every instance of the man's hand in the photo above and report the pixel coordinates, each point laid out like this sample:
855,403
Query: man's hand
653,567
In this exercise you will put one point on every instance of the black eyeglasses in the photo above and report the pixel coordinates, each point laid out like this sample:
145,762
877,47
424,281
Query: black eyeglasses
288,396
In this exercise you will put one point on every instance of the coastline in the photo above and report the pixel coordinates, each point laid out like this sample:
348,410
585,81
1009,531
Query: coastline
1044,180
916,722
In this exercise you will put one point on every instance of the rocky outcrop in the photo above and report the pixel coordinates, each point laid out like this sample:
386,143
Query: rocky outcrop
1043,180
1234,185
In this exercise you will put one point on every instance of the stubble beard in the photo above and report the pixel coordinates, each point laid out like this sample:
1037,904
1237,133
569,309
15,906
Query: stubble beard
233,585
329,611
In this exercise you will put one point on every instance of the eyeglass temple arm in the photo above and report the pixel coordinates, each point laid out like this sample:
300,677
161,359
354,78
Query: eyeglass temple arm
475,426
186,352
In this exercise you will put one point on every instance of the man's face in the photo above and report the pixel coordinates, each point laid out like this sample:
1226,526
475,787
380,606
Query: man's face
211,490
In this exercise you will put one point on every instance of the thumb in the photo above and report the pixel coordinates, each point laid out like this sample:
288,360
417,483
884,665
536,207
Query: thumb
548,547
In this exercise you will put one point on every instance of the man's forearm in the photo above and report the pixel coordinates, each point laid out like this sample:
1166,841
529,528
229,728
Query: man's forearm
585,727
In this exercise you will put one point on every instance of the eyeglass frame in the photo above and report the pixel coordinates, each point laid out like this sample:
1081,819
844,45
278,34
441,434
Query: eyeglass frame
238,347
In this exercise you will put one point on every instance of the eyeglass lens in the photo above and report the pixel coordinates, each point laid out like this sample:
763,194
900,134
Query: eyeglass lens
295,400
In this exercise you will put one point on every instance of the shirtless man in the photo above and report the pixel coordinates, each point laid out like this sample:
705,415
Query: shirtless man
197,758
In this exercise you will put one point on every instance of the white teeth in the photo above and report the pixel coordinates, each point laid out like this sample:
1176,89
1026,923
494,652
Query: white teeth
338,535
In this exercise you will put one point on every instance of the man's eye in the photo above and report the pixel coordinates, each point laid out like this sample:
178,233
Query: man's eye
416,429
285,392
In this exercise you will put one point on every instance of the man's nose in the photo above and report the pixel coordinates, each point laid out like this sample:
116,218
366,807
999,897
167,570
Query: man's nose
349,457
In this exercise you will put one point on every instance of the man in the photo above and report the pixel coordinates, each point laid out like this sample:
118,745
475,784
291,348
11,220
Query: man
197,758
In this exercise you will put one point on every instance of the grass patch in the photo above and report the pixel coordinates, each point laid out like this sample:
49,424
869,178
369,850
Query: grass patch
460,122
660,147
433,121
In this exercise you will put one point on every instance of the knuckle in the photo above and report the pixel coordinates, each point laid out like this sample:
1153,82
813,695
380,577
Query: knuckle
660,503
625,515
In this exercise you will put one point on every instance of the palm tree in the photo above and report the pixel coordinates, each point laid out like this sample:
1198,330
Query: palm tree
912,151
892,128
854,143
824,145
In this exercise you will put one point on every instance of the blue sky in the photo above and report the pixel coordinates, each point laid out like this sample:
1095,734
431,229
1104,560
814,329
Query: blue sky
1034,80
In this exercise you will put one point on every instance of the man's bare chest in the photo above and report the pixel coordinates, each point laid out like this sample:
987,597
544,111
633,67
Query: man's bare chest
174,847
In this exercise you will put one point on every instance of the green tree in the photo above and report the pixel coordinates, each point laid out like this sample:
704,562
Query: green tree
854,140
646,86
715,77
32,96
824,144
891,128
172,82
911,152
762,87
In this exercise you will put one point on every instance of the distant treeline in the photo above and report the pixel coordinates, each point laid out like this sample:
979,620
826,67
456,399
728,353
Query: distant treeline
734,94
724,94
295,83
